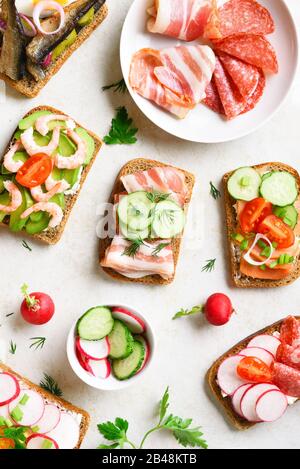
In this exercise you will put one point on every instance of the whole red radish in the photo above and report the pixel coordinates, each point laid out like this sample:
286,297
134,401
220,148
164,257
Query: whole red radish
36,308
218,309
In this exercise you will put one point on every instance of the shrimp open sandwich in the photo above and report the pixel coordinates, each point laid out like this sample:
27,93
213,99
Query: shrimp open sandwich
42,172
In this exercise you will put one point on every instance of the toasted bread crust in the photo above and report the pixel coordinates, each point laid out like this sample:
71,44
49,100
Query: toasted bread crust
31,88
85,417
142,164
240,280
53,235
211,377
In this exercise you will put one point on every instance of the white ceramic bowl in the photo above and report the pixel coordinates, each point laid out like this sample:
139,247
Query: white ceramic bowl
110,383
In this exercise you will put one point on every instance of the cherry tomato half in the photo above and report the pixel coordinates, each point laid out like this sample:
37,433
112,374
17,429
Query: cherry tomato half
254,212
35,170
277,231
254,370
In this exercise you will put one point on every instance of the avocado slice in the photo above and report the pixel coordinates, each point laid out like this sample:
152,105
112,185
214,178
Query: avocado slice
4,200
87,18
29,121
64,44
18,156
39,221
15,221
90,143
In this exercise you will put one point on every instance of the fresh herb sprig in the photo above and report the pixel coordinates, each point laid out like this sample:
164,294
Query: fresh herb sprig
17,435
26,245
188,312
209,266
214,192
12,347
159,248
122,130
38,342
133,248
156,196
49,384
181,429
118,87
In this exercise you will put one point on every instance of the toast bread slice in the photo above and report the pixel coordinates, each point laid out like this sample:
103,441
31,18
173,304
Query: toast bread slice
211,378
65,405
31,88
53,235
239,279
142,164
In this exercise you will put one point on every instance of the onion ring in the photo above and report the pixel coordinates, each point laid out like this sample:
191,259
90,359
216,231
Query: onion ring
28,26
48,5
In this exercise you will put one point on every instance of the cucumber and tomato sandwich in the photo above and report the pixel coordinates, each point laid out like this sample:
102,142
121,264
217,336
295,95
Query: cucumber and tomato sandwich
111,343
42,172
262,205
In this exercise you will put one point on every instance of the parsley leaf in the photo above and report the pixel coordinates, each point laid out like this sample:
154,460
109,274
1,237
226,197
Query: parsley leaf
114,431
163,405
122,130
185,312
17,434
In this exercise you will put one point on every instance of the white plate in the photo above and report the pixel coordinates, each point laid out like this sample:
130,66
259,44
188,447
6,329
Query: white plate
202,124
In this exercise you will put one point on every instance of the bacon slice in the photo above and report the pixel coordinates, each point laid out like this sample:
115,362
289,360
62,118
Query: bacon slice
161,178
143,263
174,78
182,19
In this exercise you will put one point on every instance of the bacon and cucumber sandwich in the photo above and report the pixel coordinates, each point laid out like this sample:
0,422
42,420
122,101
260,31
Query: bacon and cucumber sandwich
37,37
42,172
262,206
258,378
33,418
150,207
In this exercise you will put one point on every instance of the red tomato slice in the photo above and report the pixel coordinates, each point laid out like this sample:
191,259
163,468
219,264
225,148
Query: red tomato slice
277,231
254,370
254,212
35,171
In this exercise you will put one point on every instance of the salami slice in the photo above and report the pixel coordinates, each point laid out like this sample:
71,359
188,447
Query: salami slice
287,379
212,99
253,49
256,96
233,103
289,355
290,331
244,76
244,17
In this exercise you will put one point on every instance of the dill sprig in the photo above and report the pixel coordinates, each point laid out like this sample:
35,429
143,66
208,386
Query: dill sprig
26,245
133,248
39,342
156,196
118,87
12,347
159,248
49,384
214,192
209,266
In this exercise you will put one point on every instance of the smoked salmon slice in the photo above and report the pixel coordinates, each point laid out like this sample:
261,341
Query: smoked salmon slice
268,274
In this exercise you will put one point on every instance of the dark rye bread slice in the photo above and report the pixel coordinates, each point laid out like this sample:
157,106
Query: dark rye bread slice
239,279
53,235
65,405
211,377
31,88
133,166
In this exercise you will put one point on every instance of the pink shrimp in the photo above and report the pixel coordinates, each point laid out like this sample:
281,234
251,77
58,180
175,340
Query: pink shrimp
53,209
42,122
51,182
32,148
75,160
40,196
16,197
9,162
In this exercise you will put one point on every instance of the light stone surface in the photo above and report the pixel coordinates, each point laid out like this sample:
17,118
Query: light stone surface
69,271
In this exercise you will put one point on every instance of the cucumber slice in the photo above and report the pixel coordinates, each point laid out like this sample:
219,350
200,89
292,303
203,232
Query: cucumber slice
120,341
132,235
135,210
95,324
168,221
244,184
280,188
288,214
125,368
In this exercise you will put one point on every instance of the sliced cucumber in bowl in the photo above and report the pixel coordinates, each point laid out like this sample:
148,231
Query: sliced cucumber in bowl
95,324
120,340
168,220
125,368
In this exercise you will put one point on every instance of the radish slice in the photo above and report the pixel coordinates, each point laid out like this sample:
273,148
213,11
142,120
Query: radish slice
267,342
228,378
38,441
67,432
99,368
32,411
82,360
237,397
134,323
260,353
249,400
48,5
93,349
271,405
4,412
147,352
9,388
49,420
